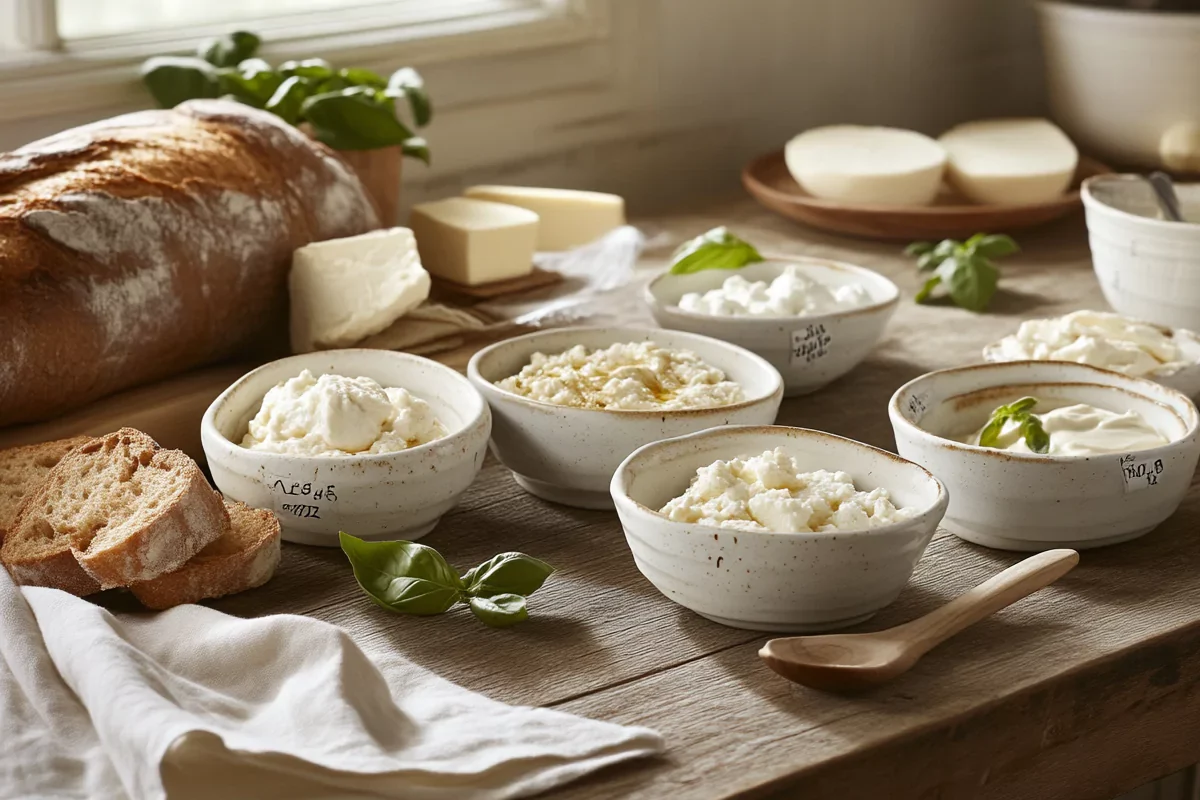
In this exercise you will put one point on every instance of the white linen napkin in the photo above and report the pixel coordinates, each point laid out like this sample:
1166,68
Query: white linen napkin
193,703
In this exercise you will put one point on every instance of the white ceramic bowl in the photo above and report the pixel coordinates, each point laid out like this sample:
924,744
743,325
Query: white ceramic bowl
1186,379
568,455
387,496
809,352
1017,501
1148,268
1118,78
774,581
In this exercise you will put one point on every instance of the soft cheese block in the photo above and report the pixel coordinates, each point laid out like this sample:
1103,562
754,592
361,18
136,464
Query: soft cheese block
344,290
1010,161
473,241
871,166
569,218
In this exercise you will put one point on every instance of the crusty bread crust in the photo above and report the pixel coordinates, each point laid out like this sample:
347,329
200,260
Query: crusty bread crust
23,468
141,246
244,558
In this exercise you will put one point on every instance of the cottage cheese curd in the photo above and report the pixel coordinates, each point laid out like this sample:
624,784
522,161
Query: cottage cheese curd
334,415
1082,430
633,376
1097,338
792,294
768,492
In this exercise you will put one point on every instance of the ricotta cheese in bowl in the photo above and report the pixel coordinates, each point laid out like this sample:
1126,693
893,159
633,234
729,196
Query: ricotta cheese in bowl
815,532
625,376
771,492
335,415
1119,457
812,318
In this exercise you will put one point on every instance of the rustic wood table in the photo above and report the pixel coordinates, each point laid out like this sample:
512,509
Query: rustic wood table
1084,690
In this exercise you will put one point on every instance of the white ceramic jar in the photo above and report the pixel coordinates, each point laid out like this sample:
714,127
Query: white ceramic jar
774,581
399,495
1020,501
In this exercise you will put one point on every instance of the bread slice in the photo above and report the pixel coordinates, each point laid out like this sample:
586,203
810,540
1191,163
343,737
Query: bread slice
23,468
243,558
124,509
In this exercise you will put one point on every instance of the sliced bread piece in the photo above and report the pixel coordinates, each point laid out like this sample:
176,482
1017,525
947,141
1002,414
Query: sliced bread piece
243,558
120,506
22,469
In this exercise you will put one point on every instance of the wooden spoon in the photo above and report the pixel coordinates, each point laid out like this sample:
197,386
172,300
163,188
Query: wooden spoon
846,662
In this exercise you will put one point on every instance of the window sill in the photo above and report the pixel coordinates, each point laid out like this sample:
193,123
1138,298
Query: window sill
104,75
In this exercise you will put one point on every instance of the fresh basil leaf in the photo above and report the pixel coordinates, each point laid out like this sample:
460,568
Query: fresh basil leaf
174,79
499,611
714,249
507,573
1024,404
288,98
971,283
253,82
926,290
357,76
353,119
1036,437
918,248
404,577
990,434
408,83
416,147
313,68
229,51
996,246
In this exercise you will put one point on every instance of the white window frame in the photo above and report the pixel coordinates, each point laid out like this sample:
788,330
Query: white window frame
101,73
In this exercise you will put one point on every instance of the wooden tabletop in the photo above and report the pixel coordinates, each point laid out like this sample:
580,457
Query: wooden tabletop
1084,690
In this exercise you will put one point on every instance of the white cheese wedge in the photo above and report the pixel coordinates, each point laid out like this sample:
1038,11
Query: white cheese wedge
475,241
868,166
344,290
1010,161
569,218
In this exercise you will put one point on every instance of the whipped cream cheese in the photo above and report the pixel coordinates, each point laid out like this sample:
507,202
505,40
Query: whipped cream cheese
1096,338
1082,430
627,376
768,492
791,294
334,415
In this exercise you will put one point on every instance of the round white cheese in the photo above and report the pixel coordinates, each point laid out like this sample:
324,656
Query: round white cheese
872,166
1010,161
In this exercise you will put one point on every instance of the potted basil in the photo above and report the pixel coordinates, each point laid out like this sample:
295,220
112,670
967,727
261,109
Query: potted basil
352,110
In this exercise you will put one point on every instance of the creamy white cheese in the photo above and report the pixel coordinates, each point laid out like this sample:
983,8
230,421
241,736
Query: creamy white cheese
627,376
768,492
1082,430
791,294
1098,338
334,415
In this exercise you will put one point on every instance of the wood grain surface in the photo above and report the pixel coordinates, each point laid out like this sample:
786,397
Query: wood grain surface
1083,690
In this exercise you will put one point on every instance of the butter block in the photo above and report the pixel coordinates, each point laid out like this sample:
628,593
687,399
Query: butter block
473,241
344,290
569,218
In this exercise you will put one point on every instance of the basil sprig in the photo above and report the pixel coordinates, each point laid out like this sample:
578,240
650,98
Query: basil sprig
349,109
411,578
964,269
715,249
1020,412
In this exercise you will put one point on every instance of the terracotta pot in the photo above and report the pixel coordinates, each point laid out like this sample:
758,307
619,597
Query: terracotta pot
379,170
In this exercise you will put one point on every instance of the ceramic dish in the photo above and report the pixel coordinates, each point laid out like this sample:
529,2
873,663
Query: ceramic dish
1017,501
1148,268
1185,379
386,496
568,455
767,179
774,581
810,351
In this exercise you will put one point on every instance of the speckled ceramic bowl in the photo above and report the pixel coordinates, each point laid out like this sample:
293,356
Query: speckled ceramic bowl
387,496
1017,501
774,581
811,351
568,455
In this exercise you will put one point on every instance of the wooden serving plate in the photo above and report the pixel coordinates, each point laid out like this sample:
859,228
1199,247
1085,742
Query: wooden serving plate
951,216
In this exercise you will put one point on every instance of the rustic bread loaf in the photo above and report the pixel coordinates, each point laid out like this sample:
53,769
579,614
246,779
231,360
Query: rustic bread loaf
245,557
121,508
147,244
22,469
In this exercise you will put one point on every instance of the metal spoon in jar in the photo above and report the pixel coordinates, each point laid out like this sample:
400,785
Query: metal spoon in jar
847,662
1164,192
